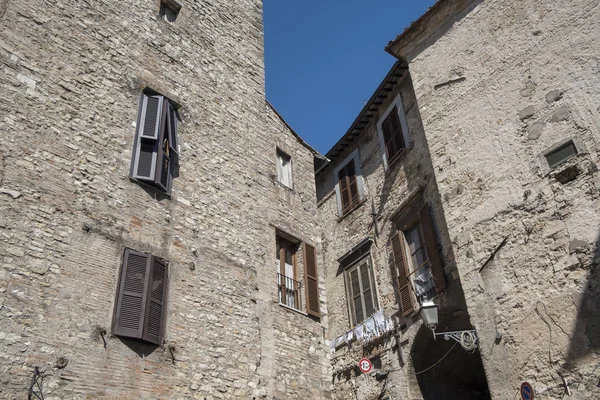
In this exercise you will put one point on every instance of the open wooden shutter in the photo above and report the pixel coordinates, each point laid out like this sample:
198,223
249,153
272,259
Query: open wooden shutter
404,287
149,122
173,141
311,281
162,176
132,295
352,184
156,303
437,271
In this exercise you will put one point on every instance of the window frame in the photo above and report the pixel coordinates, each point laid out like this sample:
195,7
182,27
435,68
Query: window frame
577,144
174,9
412,269
367,261
416,212
355,157
146,298
294,247
406,138
280,170
165,131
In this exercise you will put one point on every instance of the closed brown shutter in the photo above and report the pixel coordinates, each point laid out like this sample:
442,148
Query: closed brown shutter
156,303
432,250
131,297
311,281
404,287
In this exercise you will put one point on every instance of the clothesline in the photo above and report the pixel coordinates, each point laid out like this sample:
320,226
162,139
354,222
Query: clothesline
371,328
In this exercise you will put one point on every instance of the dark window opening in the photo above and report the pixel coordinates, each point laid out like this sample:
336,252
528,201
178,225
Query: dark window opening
169,10
561,154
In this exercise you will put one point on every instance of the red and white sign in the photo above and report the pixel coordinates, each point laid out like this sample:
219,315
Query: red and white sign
365,365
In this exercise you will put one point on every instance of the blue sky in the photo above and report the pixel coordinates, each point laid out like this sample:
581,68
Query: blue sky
324,58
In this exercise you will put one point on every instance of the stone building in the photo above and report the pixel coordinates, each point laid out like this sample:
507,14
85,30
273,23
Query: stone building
509,99
137,138
166,234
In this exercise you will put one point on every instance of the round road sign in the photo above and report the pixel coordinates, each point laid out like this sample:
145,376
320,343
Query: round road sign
365,365
526,391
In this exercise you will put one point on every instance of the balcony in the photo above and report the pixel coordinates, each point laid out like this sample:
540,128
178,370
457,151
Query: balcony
289,292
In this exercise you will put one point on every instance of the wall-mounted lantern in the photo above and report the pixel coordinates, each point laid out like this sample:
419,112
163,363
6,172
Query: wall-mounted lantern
429,314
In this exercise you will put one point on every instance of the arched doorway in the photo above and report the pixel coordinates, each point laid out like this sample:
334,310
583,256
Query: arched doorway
458,376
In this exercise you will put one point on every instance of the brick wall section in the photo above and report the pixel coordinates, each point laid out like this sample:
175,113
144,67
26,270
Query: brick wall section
386,192
72,73
531,79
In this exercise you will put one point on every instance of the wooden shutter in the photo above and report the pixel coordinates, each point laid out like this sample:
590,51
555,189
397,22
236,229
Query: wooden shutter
344,190
407,301
162,176
437,271
352,184
144,160
173,142
355,296
156,303
365,277
132,295
152,110
311,281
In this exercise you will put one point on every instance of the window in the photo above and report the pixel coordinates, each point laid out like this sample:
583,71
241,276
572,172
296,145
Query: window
349,188
561,154
169,10
140,307
289,286
284,169
362,302
417,261
155,155
393,132
287,276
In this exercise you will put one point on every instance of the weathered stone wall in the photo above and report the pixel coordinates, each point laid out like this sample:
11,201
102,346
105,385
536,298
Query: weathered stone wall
525,77
72,73
386,193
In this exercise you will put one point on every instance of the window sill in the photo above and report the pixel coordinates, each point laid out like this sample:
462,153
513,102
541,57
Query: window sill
159,193
395,161
353,208
293,309
284,186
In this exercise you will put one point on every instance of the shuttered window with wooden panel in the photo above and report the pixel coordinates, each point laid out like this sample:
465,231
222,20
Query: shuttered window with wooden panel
407,301
155,159
418,262
392,134
311,281
141,298
435,261
348,187
360,290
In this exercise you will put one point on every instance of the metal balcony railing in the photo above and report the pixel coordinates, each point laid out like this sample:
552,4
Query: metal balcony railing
289,291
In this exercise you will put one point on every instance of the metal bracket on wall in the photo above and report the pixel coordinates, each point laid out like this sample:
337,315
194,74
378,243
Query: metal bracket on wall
35,388
467,339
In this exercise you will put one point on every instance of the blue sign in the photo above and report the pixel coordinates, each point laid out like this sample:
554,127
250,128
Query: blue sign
526,391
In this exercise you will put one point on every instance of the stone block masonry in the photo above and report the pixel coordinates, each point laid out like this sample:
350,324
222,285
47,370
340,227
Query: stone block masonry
72,74
530,83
